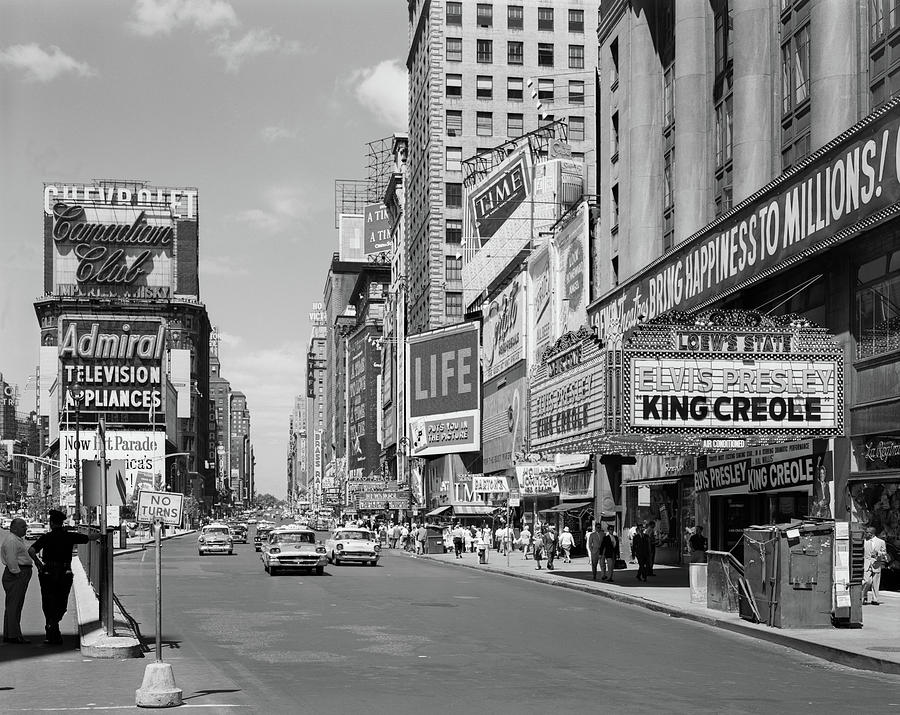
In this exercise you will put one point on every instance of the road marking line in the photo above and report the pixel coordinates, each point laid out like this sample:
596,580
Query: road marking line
118,707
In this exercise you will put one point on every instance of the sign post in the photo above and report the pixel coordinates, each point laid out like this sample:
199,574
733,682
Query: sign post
158,689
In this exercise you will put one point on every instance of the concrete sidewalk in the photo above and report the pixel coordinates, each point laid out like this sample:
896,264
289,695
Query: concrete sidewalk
875,646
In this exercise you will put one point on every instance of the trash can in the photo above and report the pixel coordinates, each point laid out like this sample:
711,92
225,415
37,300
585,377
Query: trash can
482,549
698,583
434,541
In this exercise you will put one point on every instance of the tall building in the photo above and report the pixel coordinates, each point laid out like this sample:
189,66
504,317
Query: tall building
121,319
744,171
219,419
241,449
297,466
481,74
316,363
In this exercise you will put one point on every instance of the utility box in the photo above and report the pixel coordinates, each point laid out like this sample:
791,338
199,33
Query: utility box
789,571
434,540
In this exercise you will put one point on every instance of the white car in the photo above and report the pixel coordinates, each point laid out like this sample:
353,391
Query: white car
293,548
36,529
352,544
215,539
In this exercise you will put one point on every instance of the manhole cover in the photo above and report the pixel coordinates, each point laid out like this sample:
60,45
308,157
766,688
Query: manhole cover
437,605
886,648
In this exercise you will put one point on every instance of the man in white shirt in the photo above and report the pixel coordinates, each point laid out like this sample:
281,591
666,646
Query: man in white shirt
874,557
16,575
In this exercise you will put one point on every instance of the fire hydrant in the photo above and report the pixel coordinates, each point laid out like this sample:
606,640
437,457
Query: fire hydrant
482,548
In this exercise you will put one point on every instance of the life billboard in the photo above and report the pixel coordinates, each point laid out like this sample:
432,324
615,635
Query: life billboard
118,363
120,239
377,229
444,396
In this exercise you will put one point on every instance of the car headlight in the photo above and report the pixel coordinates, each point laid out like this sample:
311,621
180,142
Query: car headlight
321,550
377,547
340,547
228,539
274,550
201,539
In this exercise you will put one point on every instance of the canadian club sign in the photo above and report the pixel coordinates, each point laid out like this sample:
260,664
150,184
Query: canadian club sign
569,401
722,374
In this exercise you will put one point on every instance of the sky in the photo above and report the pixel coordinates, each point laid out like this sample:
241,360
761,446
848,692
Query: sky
259,104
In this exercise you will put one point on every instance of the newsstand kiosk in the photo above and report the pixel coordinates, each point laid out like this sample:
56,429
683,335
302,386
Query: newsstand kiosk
801,575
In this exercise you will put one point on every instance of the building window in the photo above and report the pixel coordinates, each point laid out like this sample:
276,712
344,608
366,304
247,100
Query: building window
576,91
453,230
668,199
576,57
545,90
453,268
545,54
454,13
614,208
454,85
515,125
723,105
484,87
878,306
515,53
453,304
453,158
614,136
514,17
454,123
514,89
545,18
454,49
669,95
614,63
484,124
485,15
884,29
795,84
453,195
576,20
485,54
576,129
724,144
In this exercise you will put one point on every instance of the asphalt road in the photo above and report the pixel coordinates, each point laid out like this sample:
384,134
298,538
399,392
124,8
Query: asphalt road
412,636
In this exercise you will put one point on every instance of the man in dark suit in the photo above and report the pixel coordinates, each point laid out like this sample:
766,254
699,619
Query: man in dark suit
642,552
609,552
593,546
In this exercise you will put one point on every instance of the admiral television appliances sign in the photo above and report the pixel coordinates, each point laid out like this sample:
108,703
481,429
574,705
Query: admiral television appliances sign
730,374
444,390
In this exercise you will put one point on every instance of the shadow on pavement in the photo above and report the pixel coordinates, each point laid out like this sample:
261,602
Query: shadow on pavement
627,578
201,693
36,649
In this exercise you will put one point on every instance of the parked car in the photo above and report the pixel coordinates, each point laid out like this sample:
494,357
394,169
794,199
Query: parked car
351,544
215,539
5,521
36,529
293,548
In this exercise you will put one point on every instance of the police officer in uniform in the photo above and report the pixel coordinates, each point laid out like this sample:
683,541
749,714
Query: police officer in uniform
55,571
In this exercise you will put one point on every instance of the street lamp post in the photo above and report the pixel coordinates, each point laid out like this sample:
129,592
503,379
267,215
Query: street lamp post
76,392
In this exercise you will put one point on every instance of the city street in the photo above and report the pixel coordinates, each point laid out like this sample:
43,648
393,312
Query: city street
410,636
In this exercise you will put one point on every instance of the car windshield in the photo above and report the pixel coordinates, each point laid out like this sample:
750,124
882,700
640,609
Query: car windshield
216,530
365,535
294,537
35,525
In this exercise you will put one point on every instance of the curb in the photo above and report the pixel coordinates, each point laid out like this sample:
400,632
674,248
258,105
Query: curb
143,546
833,654
92,636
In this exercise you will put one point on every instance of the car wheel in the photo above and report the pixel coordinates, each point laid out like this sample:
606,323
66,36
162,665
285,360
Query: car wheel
199,553
335,560
273,571
374,563
320,570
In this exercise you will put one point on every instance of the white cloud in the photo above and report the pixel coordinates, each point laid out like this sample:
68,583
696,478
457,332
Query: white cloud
271,135
282,208
161,17
383,90
217,20
221,266
252,44
43,66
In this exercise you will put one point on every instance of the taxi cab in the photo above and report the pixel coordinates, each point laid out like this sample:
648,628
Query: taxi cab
215,539
292,547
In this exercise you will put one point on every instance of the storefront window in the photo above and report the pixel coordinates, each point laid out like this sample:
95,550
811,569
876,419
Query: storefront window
878,306
877,504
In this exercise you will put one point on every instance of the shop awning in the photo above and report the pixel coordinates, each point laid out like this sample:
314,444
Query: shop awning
567,507
650,483
473,510
440,510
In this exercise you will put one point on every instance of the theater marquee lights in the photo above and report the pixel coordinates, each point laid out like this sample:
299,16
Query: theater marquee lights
727,374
